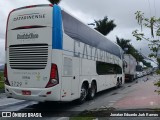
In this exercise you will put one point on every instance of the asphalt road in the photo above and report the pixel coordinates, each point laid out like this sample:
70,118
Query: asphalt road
106,99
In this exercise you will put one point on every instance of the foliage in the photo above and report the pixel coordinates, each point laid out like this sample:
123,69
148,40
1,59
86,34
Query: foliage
105,26
158,85
1,85
158,71
54,1
1,81
148,64
125,43
93,113
154,25
1,76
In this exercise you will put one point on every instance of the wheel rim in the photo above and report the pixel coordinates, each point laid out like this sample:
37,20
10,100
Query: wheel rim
120,82
117,83
83,94
93,90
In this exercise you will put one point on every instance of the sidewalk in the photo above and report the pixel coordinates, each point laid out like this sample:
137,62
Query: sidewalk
143,97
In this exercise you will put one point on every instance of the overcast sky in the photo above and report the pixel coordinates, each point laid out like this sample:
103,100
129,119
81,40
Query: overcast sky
121,11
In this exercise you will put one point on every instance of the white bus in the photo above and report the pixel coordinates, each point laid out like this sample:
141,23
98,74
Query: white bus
52,56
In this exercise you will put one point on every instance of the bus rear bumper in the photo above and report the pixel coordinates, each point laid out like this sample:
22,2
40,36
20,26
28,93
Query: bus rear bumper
35,94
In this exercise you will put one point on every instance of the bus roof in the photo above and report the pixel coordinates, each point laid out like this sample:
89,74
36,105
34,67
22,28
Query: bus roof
81,32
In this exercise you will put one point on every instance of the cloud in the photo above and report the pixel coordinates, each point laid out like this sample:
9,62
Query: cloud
121,11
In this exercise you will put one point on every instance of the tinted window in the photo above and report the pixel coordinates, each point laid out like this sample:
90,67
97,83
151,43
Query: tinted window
107,68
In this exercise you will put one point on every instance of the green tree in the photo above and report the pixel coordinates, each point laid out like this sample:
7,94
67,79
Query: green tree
148,64
136,54
104,26
153,24
54,1
123,43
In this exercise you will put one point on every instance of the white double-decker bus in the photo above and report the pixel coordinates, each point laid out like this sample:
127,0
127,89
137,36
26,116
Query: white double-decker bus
52,56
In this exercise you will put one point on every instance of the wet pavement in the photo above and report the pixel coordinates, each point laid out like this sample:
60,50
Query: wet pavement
138,95
144,96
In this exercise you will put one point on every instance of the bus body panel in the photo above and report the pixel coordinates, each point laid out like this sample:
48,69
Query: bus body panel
29,51
70,49
130,68
31,16
37,94
30,36
70,71
29,47
70,79
18,56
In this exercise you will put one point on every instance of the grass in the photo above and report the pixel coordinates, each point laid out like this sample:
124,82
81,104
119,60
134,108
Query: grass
93,114
85,115
1,81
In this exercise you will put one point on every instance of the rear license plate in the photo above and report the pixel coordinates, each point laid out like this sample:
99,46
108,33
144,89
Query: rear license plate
26,92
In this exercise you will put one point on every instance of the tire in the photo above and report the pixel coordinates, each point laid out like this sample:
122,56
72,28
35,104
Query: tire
92,91
118,84
131,79
83,94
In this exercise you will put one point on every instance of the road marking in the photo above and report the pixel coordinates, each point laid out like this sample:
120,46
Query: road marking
91,103
63,118
12,103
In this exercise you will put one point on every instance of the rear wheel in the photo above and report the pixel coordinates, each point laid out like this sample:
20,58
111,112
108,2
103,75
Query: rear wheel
83,94
92,91
118,84
131,78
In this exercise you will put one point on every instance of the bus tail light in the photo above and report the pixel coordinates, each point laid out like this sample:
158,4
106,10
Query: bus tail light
54,79
6,75
31,6
51,5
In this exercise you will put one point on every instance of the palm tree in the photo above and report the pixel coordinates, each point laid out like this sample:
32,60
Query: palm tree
123,43
104,26
54,1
